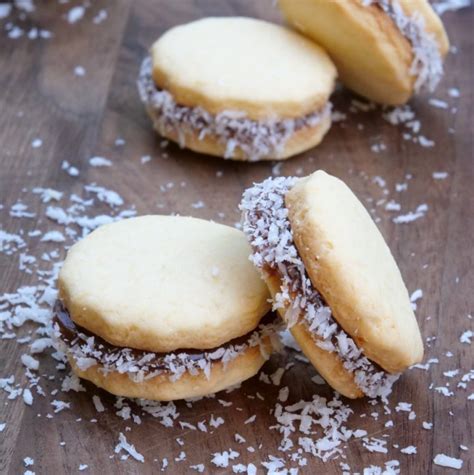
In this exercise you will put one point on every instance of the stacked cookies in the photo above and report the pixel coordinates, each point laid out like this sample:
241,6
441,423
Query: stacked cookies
169,307
333,280
246,89
238,88
165,308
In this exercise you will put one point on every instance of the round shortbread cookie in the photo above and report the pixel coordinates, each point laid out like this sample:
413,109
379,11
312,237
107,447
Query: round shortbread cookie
351,266
384,50
243,64
333,280
161,283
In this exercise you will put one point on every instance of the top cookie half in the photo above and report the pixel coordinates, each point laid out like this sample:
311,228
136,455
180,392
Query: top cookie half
351,266
242,64
162,283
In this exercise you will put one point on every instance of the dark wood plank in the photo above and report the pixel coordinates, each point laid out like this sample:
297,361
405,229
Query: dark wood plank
81,117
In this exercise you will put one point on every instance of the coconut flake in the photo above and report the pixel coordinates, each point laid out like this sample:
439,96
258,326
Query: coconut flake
450,462
30,362
99,162
128,448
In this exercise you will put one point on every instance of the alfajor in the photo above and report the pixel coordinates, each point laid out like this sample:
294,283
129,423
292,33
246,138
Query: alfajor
163,308
333,280
385,50
238,88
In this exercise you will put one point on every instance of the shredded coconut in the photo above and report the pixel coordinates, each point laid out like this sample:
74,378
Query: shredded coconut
254,139
266,224
427,64
99,162
99,407
450,462
443,6
466,337
87,351
128,448
75,14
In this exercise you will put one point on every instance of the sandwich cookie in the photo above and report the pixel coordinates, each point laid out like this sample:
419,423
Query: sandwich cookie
238,88
163,308
385,50
333,280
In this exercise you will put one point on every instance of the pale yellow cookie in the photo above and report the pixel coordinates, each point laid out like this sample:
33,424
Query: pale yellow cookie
239,88
333,280
162,283
351,266
384,50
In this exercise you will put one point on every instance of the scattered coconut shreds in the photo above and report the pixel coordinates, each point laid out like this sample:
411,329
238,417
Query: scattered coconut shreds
466,337
251,419
99,407
123,445
5,10
69,169
445,461
238,133
403,407
200,468
53,236
410,450
412,215
79,71
99,162
443,6
438,103
425,142
416,295
60,405
75,14
268,230
112,198
27,397
100,17
440,175
221,459
30,362
404,115
454,92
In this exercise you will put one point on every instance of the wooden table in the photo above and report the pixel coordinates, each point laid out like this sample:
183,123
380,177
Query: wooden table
43,95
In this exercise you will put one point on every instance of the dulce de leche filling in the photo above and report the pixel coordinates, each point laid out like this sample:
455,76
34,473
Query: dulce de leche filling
268,229
254,139
89,350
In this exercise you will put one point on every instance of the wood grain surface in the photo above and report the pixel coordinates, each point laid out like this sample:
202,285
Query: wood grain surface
78,117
